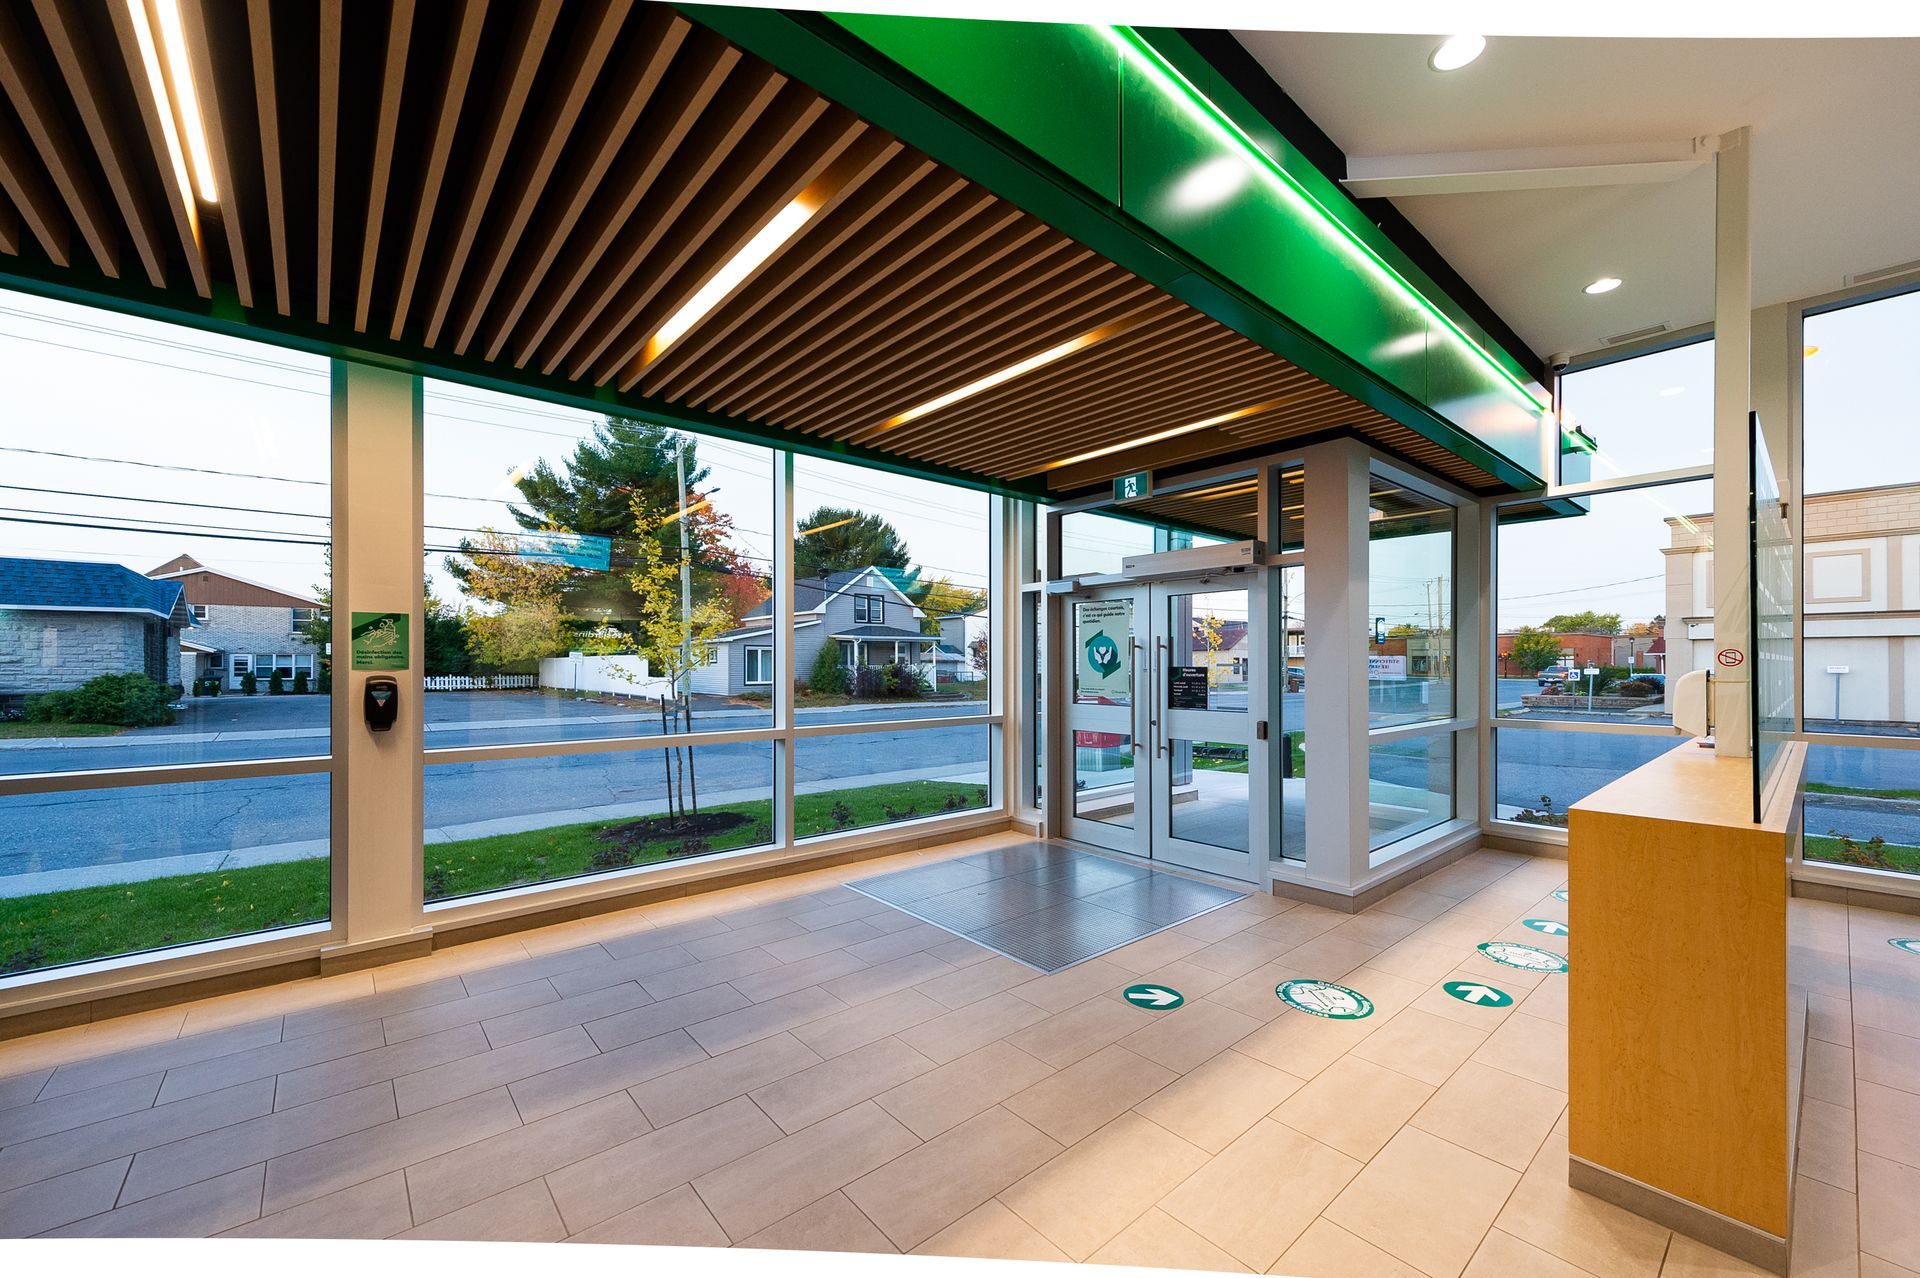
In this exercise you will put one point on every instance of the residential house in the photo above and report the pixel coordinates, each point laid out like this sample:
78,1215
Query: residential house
63,622
241,627
864,614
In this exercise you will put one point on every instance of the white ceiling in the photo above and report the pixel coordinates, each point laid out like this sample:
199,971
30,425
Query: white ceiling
1836,162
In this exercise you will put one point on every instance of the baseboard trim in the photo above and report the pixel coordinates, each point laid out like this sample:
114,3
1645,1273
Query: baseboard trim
1724,1233
1868,898
1378,891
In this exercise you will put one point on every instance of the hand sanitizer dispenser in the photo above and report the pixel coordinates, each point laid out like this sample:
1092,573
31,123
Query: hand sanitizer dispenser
1693,702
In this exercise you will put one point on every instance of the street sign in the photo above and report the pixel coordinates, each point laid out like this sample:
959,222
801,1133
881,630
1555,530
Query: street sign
1477,994
1156,998
1324,999
1552,927
1133,487
379,640
1560,894
1910,944
1528,958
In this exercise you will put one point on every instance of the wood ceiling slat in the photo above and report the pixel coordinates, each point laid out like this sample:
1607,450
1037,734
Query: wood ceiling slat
847,236
1028,457
175,185
266,95
9,230
216,122
326,152
705,62
453,96
958,241
527,37
711,174
711,66
833,148
31,193
393,81
843,179
87,82
38,105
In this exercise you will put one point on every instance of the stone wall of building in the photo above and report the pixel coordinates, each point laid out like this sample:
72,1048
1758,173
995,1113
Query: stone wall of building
238,628
51,651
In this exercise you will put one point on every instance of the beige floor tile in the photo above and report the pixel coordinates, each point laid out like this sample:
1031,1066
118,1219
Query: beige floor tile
1415,959
933,1185
1888,1226
743,933
1329,957
49,1204
1298,926
76,1109
1599,1237
1088,1194
1826,1232
1548,1001
676,1218
886,975
1376,927
813,944
1258,1196
1827,1142
1879,1056
1215,1103
195,1211
831,1224
264,1062
255,1140
524,1213
1158,1241
373,1209
1071,1103
1239,954
169,1053
607,1184
548,1018
750,1193
1252,994
566,1086
1422,1045
949,1037
1354,1105
956,1091
690,978
458,1179
677,1012
381,1065
1075,985
1501,1255
820,1091
308,1173
468,1011
1830,1019
1528,1047
1425,1200
1687,1258
1078,1032
1874,1267
1188,1036
482,980
1492,1113
1889,1123
1304,1045
996,975
777,982
487,1070
1328,1251
1155,951
1829,1070
51,1155
20,1089
734,1029
705,1083
868,1022
991,1231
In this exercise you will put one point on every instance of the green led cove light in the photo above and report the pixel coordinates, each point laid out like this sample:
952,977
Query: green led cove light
1177,87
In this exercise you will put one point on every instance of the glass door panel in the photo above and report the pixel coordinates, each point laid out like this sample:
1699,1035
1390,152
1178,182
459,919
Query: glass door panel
1104,717
1204,649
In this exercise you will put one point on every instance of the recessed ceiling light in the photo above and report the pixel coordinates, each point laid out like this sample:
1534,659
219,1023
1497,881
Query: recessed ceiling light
1010,372
1809,352
1456,51
173,39
1154,438
765,243
1605,284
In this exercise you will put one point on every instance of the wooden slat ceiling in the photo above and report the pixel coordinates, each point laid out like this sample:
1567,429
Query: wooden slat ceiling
541,187
1227,508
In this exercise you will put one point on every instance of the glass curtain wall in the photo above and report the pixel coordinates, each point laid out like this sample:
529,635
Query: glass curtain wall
1860,597
165,543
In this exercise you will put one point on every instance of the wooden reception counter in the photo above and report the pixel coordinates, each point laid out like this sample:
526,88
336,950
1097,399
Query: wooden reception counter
1682,1080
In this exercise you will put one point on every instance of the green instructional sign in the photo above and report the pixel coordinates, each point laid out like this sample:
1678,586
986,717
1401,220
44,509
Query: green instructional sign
1133,487
1528,958
1103,632
1477,994
1911,944
1552,927
1560,895
380,641
1156,998
1324,999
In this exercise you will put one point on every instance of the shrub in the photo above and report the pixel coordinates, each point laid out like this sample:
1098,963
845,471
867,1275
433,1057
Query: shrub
299,681
276,683
828,677
249,683
1637,688
869,681
213,686
840,814
326,679
124,700
905,680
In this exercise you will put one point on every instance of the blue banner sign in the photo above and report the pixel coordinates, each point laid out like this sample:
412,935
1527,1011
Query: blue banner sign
576,550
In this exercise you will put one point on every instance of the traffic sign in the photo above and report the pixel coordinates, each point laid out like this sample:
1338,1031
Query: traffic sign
1560,895
1552,927
1477,994
1157,998
1528,958
1911,944
1324,999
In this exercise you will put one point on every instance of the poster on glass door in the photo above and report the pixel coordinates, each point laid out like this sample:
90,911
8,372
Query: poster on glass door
1103,630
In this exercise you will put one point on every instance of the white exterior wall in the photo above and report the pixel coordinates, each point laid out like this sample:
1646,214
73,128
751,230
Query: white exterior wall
626,676
52,651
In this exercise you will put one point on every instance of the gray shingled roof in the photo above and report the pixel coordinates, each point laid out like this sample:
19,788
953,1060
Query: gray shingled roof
72,585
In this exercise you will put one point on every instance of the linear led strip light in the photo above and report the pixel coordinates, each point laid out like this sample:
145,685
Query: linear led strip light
1179,88
174,94
1140,440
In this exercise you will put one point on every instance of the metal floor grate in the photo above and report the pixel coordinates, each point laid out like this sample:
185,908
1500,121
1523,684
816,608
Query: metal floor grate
1045,905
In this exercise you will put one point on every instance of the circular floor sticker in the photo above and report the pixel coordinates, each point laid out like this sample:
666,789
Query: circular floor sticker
1324,998
1560,894
1528,958
1911,944
1156,998
1477,994
1552,927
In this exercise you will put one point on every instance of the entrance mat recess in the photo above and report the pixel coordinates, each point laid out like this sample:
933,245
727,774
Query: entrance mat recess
1044,905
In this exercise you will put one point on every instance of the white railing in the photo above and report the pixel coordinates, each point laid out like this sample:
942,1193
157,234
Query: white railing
478,683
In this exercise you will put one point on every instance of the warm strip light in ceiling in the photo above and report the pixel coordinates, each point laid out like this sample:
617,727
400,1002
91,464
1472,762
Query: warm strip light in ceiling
808,532
1006,374
157,82
785,225
698,506
173,38
1142,440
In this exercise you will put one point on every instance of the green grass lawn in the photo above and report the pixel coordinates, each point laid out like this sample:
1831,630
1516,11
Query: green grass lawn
1820,847
54,928
1860,792
14,730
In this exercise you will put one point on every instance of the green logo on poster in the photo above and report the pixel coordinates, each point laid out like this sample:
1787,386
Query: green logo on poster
1528,958
1325,999
1477,994
1911,944
1560,895
1156,997
1552,927
1103,654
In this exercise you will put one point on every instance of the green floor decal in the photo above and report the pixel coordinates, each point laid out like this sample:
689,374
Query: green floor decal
1325,999
1528,958
1477,994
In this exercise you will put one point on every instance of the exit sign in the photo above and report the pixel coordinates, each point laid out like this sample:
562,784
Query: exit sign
1133,487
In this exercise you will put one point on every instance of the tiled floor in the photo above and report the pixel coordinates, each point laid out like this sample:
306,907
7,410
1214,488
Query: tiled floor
797,1065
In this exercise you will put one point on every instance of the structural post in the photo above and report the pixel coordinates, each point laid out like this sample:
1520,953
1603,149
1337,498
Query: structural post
1335,494
1732,401
784,674
378,562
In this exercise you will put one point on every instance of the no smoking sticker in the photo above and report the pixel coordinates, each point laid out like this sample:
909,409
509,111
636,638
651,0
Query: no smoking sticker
1730,657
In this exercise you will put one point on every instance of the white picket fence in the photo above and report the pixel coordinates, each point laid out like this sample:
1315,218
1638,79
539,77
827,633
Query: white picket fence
479,683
